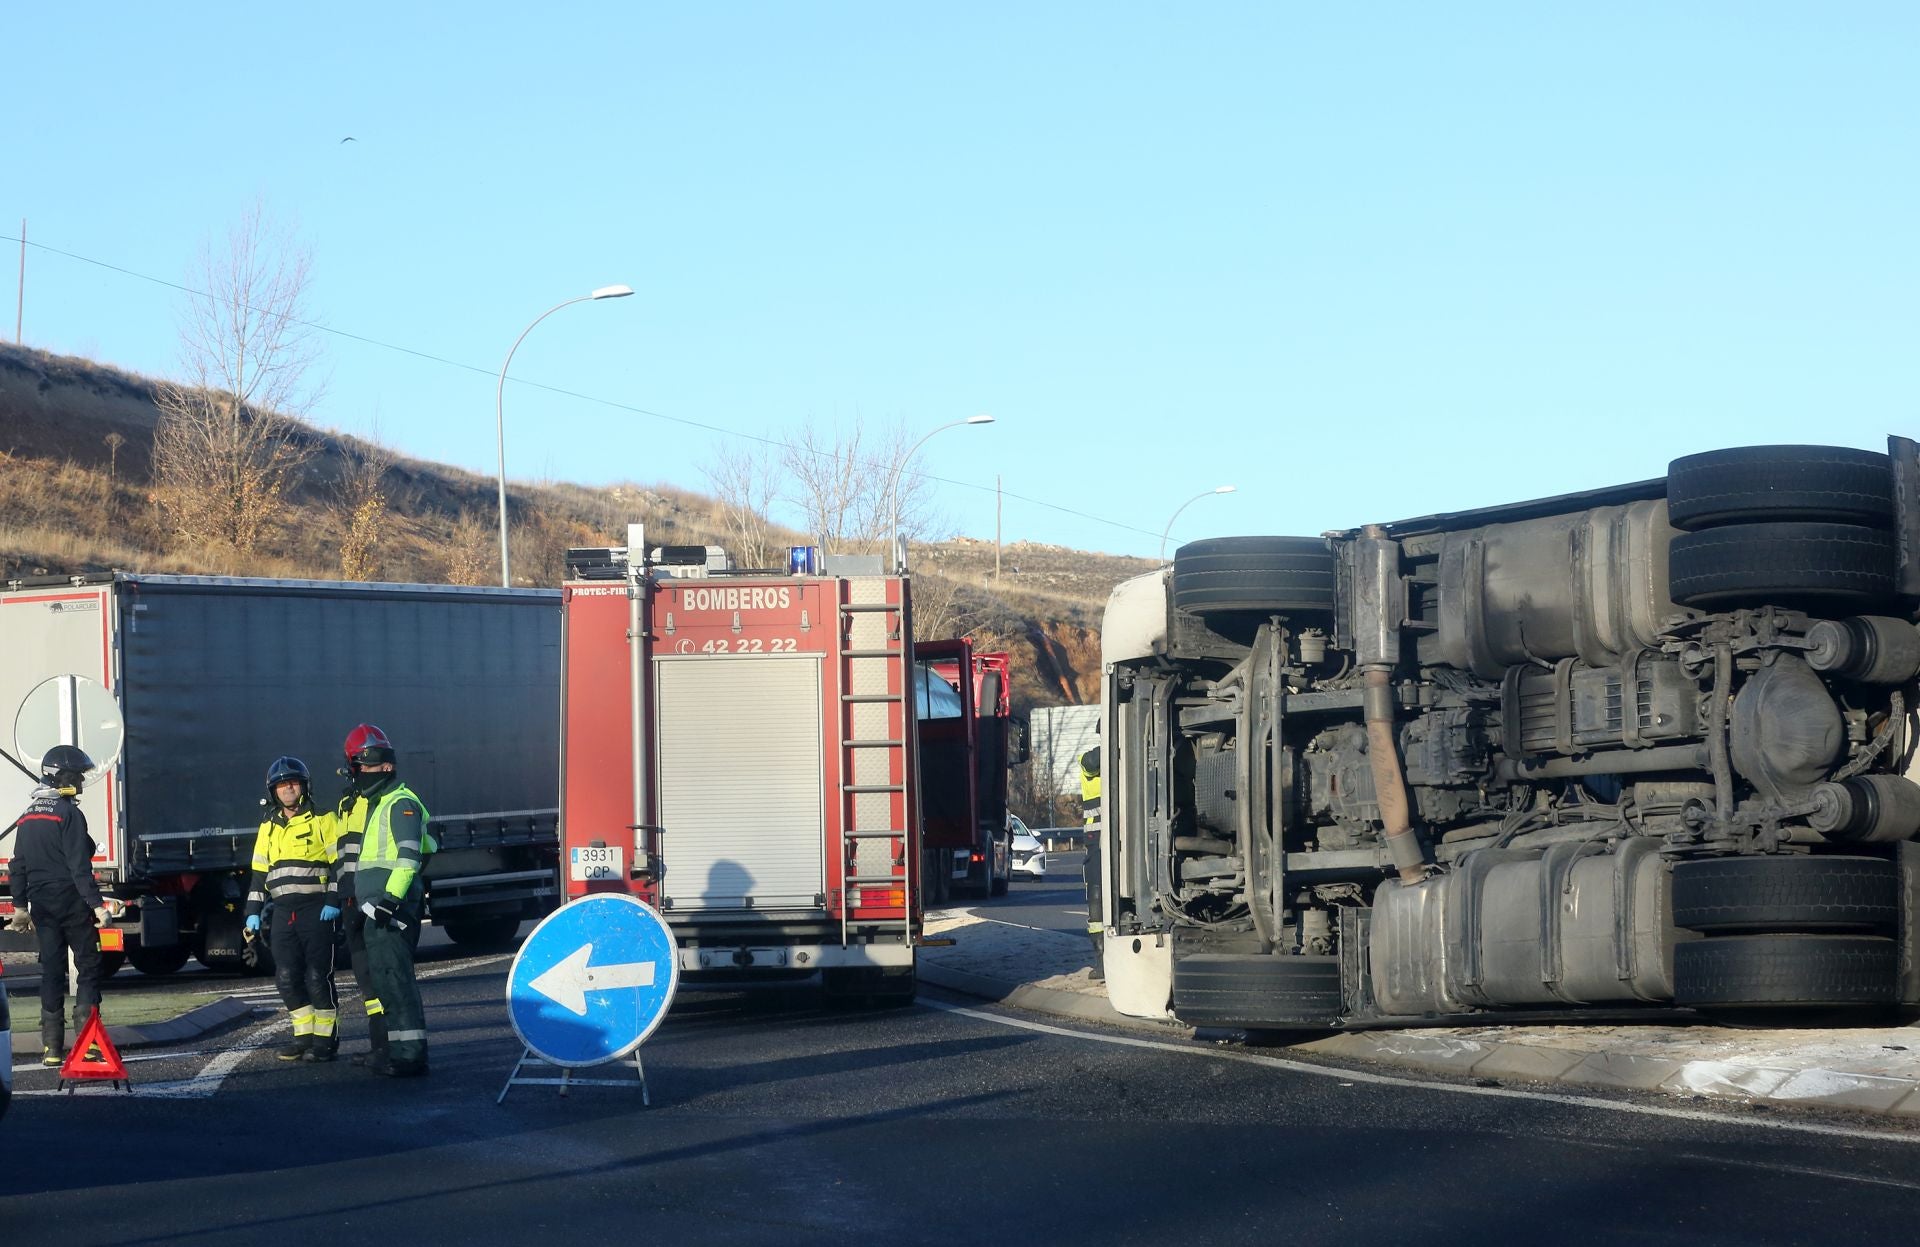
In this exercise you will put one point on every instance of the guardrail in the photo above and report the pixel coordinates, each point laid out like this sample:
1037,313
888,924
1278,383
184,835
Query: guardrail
1060,837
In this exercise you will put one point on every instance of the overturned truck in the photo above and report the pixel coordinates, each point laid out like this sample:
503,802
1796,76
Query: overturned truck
1638,748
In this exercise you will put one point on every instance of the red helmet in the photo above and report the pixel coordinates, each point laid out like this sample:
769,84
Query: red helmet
367,745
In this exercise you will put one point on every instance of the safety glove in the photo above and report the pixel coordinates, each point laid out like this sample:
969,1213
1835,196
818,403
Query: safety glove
382,912
329,912
21,922
253,925
102,915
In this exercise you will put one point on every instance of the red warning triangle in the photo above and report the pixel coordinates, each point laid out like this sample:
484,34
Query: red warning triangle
93,1054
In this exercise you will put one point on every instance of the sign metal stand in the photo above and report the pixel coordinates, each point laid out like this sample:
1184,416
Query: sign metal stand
567,1079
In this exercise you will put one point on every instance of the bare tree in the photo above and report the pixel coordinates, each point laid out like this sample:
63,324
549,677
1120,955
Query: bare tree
851,485
746,484
226,448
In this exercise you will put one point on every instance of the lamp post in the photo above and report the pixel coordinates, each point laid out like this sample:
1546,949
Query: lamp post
499,416
893,489
1222,489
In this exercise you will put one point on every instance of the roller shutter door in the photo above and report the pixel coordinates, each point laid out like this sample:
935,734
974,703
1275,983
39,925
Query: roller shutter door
739,782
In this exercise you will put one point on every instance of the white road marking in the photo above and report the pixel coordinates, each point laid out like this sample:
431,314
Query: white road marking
1349,1076
1021,926
205,1084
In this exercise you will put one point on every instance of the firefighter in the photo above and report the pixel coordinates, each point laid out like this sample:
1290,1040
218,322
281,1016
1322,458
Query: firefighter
55,895
382,829
1090,820
293,868
346,828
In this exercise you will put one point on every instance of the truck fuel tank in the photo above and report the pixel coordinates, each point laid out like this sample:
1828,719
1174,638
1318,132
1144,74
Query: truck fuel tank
1574,924
1591,585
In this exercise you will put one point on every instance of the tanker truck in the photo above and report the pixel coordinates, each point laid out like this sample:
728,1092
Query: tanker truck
1640,749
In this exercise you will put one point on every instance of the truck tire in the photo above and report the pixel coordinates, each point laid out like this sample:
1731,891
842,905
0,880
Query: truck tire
1257,991
483,935
1785,971
1756,894
158,961
1835,484
1254,575
1766,564
110,963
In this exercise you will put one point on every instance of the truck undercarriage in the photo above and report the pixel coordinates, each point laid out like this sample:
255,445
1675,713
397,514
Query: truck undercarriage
1643,748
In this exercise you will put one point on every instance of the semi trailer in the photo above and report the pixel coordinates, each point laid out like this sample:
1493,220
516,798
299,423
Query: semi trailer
192,685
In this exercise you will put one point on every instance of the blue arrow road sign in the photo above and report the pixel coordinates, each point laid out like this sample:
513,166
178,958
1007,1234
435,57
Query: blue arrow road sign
593,980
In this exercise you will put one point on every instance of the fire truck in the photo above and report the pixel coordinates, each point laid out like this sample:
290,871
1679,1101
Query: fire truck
968,740
738,749
184,689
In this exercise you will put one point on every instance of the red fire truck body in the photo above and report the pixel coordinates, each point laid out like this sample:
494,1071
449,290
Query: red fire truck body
738,749
967,742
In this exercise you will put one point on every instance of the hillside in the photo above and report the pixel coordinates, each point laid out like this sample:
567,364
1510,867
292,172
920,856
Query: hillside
77,493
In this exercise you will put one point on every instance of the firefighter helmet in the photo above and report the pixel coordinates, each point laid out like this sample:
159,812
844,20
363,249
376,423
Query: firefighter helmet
288,768
367,745
65,766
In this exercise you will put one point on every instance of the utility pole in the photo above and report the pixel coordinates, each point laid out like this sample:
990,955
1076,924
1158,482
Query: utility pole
996,524
20,303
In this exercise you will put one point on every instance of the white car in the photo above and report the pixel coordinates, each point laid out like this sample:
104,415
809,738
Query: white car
1029,855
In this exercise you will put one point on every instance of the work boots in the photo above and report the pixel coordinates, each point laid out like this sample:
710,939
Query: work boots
325,1048
53,1039
301,1045
377,1031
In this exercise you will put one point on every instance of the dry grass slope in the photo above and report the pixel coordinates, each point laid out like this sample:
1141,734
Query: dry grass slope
77,494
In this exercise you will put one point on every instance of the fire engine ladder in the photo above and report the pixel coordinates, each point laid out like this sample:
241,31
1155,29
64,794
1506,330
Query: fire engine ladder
875,708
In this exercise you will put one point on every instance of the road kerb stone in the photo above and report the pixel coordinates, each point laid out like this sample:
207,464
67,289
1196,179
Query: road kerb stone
1526,1062
1839,1089
1441,1054
1616,1069
1725,1078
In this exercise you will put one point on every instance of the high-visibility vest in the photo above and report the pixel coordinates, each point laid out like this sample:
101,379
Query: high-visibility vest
1090,787
399,855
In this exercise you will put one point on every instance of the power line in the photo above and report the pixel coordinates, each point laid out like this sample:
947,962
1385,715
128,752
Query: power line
573,394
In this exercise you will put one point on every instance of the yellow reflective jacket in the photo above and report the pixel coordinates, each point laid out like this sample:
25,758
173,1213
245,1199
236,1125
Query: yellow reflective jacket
293,856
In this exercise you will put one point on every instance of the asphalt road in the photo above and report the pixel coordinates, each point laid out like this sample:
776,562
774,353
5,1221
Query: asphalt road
776,1120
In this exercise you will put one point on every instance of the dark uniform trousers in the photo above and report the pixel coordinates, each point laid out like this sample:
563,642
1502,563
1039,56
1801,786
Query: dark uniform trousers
388,956
64,924
303,953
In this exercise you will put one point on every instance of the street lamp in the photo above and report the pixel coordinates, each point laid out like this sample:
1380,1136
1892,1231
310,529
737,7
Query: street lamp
893,490
499,417
1223,489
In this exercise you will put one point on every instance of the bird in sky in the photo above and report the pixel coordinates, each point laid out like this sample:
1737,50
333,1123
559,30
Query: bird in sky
349,139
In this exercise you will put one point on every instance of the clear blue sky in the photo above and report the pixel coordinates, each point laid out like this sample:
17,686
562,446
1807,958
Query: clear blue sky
1363,262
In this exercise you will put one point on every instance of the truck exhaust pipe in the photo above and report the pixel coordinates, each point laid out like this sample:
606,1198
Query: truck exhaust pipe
1389,785
1378,609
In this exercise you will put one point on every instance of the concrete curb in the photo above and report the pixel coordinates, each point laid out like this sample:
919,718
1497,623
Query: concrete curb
192,1024
1039,999
1513,1061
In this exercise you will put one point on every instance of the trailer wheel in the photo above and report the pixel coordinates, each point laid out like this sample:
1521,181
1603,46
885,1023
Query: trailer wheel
1775,563
483,934
1836,484
1787,894
1254,575
1785,971
110,963
158,961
